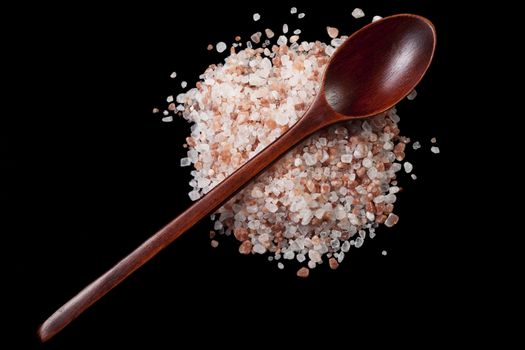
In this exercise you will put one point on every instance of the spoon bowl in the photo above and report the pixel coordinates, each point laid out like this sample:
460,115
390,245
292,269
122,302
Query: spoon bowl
373,70
379,65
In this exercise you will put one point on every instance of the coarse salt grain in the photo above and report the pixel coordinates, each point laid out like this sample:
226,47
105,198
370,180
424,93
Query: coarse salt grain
301,15
256,17
376,18
408,167
220,47
416,145
183,84
167,119
412,95
293,10
434,149
173,75
332,32
358,13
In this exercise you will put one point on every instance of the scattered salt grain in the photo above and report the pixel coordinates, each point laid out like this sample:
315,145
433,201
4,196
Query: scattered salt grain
220,47
358,13
185,161
169,99
194,195
391,220
413,176
376,18
173,75
280,266
214,243
434,149
167,119
155,110
183,84
293,10
256,17
416,145
294,38
332,32
303,272
333,263
209,47
408,167
412,95
384,253
282,40
297,31
285,28
301,15
269,33
433,140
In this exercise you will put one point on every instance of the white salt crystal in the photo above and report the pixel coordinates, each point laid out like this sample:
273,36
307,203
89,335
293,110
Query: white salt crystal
309,159
314,255
280,266
416,145
285,28
169,99
376,18
259,249
413,176
282,40
329,50
433,140
408,167
185,161
220,47
298,162
300,257
256,37
384,252
301,15
297,31
391,220
256,17
289,255
346,158
194,195
173,75
167,119
412,95
282,119
293,10
434,149
183,84
358,13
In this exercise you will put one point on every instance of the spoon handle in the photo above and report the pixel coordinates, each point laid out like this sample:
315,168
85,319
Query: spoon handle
205,206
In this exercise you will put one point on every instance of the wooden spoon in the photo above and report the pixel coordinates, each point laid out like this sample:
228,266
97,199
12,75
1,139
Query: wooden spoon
368,74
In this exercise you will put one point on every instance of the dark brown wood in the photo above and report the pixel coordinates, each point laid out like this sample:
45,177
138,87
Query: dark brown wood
372,71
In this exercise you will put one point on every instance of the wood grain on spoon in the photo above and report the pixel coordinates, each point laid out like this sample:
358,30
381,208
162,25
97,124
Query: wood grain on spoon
373,70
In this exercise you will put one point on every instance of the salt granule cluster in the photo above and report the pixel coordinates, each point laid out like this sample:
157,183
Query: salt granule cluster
327,194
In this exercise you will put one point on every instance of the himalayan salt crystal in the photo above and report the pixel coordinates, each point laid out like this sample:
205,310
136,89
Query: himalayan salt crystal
245,247
214,243
358,13
303,272
408,167
167,119
346,158
256,37
332,32
282,119
173,75
294,38
269,33
433,140
333,263
293,10
155,110
285,28
256,17
301,15
416,145
391,220
209,47
434,149
314,256
376,18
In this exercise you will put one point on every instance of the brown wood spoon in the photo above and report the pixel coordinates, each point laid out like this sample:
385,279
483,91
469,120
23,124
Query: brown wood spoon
372,71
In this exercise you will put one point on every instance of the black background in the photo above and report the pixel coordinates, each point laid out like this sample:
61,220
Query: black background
91,173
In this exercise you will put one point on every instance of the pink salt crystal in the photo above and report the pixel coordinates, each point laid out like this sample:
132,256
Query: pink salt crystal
245,247
333,263
303,272
214,243
391,220
332,32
